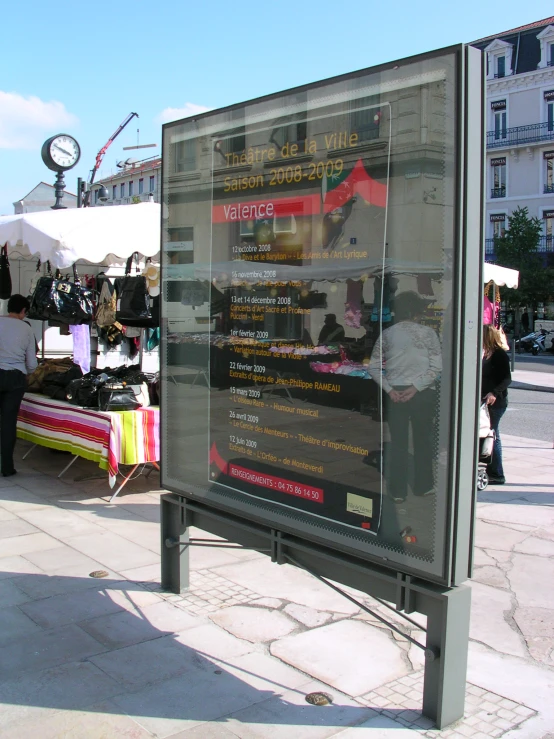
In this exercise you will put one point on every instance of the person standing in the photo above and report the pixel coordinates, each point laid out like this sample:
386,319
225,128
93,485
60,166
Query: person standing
525,322
332,332
406,362
495,379
17,359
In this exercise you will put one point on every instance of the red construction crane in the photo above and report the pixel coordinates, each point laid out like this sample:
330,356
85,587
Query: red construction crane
100,156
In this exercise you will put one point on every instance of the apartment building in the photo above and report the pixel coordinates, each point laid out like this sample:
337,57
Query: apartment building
134,183
520,128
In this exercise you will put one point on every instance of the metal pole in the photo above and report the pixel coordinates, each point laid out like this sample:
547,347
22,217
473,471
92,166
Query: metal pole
175,556
79,193
444,683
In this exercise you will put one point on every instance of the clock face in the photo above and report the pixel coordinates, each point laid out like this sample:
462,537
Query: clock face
64,151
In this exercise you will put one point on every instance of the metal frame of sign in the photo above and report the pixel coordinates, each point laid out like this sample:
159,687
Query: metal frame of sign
438,593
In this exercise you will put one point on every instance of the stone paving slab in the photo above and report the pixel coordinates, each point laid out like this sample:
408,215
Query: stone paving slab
349,655
34,695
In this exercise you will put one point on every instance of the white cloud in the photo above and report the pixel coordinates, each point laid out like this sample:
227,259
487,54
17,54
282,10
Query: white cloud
25,120
174,114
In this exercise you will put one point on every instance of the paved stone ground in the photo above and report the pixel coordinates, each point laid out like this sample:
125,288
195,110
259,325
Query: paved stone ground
236,655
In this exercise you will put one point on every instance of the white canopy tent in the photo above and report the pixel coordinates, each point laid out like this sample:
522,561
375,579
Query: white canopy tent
224,274
102,236
501,276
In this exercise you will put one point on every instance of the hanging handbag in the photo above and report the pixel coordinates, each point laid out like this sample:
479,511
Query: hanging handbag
105,314
64,301
5,277
134,305
114,396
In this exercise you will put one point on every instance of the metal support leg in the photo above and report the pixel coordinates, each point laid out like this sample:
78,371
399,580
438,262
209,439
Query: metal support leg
444,684
67,466
175,556
125,481
29,451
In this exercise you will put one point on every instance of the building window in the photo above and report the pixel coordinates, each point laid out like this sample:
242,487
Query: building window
96,196
549,174
546,40
548,218
185,156
498,177
180,247
498,221
152,183
291,129
366,118
141,186
499,124
499,59
114,192
122,190
549,105
131,188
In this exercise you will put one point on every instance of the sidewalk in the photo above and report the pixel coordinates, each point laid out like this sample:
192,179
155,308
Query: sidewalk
529,380
236,655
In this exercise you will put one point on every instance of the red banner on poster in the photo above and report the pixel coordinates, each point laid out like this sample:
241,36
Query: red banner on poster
259,210
282,485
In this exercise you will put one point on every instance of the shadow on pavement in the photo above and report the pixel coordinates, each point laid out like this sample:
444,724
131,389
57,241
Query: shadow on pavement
112,647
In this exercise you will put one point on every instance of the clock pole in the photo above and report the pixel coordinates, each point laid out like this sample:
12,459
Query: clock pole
59,186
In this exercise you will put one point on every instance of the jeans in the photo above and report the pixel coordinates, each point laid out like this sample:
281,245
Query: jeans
419,414
494,468
12,389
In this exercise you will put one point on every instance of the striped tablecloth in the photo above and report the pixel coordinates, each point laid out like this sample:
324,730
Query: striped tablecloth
107,438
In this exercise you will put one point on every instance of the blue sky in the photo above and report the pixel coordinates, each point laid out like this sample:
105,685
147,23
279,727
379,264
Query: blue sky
80,68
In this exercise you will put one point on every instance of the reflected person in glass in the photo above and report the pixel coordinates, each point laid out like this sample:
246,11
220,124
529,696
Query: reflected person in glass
406,362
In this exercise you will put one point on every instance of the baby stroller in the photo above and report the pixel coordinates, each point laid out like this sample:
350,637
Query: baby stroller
486,444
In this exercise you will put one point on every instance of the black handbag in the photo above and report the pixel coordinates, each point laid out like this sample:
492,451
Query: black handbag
134,305
5,277
83,392
117,397
64,301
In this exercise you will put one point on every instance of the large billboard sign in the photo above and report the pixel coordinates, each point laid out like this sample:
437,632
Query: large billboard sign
319,332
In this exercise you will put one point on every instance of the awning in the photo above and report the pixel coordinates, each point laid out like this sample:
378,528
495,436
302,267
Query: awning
501,276
99,235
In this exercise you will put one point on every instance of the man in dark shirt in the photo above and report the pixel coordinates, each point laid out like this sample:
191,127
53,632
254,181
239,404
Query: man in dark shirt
332,332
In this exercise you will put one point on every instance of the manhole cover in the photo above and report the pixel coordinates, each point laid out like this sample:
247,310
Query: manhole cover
319,699
99,573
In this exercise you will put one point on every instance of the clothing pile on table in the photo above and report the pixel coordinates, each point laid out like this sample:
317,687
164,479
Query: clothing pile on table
62,379
304,351
205,337
345,367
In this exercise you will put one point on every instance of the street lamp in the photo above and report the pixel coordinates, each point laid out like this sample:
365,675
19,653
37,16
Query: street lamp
103,194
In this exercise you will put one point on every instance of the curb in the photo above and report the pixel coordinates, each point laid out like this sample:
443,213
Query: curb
524,386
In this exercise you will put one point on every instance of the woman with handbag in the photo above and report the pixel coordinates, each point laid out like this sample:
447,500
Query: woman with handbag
495,379
17,359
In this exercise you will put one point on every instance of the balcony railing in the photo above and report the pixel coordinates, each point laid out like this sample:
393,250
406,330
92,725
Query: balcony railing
545,246
498,192
533,133
548,189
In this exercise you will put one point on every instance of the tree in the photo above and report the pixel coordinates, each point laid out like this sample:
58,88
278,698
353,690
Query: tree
518,249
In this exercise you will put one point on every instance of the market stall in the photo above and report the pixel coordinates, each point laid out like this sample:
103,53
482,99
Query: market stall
108,439
92,241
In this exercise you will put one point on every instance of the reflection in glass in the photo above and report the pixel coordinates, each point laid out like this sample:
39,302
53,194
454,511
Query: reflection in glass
308,341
